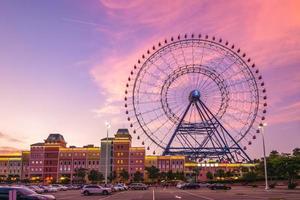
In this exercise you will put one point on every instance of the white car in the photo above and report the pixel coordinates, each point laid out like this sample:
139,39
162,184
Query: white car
95,189
49,189
36,189
59,187
180,185
123,185
119,187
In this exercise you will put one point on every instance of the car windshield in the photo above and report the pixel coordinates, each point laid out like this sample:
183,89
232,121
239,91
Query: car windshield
26,191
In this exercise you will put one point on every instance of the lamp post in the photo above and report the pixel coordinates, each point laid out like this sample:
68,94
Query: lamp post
261,126
106,156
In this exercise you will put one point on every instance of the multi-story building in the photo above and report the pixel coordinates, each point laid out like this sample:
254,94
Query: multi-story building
36,162
137,160
25,165
122,154
106,151
166,163
10,165
121,145
53,161
73,158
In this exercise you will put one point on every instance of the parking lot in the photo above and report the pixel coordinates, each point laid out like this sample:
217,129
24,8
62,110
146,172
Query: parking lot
237,192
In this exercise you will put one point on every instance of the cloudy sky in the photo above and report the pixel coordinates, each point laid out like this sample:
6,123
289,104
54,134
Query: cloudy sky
64,64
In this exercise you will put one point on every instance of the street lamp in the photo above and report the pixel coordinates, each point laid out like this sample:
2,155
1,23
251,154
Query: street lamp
107,124
261,126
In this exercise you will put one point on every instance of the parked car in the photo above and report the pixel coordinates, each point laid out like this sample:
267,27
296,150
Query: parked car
124,186
219,187
138,186
49,188
118,187
59,187
36,189
204,184
24,194
95,189
180,184
190,186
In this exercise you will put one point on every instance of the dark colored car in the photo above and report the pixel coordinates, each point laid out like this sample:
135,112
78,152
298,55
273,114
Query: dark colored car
219,187
190,186
23,193
138,186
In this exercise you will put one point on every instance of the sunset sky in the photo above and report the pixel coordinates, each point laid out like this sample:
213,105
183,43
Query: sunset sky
64,64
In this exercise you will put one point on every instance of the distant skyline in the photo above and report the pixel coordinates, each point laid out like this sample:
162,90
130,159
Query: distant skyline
64,64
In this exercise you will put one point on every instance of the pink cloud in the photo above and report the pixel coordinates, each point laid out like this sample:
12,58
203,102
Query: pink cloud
268,31
270,40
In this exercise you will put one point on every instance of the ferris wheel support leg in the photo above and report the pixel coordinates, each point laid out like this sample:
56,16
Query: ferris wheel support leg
245,154
167,149
208,131
216,130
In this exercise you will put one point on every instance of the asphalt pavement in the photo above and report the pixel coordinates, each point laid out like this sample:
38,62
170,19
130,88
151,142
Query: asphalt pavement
172,193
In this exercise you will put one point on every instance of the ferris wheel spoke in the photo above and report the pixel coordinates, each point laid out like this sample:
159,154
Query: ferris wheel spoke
157,67
148,111
150,84
149,102
238,109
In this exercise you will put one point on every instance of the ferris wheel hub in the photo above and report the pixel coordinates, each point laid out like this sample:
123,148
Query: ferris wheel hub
194,95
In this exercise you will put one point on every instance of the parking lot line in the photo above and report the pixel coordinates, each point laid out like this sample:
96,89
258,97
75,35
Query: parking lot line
153,195
112,195
201,196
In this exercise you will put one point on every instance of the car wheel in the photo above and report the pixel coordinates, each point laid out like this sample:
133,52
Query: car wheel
105,192
86,193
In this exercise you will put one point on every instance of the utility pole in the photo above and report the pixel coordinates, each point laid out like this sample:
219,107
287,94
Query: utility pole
106,155
261,126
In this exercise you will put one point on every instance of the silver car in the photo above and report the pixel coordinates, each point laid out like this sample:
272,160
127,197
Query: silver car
95,189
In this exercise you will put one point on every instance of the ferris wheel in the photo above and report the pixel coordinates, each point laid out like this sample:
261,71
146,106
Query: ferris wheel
196,96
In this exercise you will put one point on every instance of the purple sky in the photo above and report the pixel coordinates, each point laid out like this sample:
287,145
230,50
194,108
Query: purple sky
64,64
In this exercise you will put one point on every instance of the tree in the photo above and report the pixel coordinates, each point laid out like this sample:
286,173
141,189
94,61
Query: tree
124,175
296,152
65,180
196,172
100,177
153,172
229,174
112,176
179,176
289,167
170,175
163,175
250,176
138,176
80,173
95,176
274,153
209,175
220,173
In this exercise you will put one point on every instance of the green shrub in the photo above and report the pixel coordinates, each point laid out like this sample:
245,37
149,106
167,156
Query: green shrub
292,185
